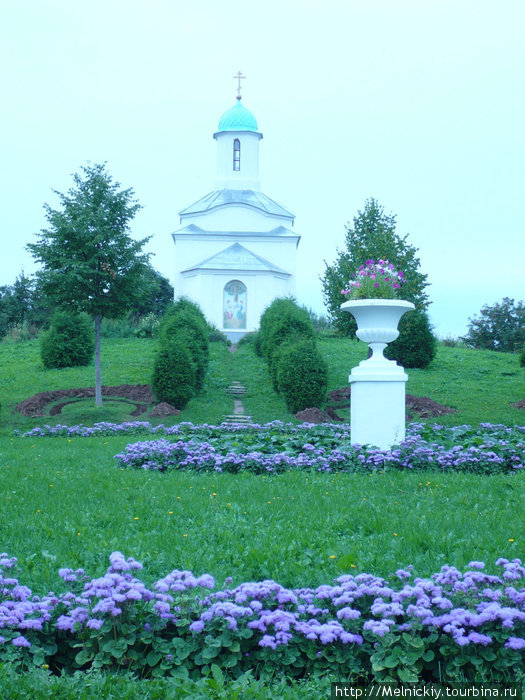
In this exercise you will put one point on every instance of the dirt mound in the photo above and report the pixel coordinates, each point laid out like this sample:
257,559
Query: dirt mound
519,404
313,415
425,407
37,405
164,409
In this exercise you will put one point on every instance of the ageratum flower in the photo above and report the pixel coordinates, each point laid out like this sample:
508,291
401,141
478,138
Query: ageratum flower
21,641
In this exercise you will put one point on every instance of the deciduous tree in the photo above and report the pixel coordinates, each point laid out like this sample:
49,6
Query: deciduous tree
90,262
499,327
373,236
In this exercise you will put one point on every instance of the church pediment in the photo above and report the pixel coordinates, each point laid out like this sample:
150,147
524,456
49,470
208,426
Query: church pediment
245,198
237,258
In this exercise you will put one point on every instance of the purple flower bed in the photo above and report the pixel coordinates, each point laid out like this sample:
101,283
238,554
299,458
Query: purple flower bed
451,626
261,449
277,447
183,428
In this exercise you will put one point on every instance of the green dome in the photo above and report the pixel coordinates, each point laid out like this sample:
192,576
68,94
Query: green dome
238,118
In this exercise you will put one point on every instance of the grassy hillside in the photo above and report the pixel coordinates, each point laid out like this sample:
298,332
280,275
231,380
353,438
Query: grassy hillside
480,385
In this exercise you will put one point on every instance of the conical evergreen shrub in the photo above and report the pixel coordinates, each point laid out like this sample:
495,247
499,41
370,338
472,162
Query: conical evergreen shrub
69,342
415,347
173,378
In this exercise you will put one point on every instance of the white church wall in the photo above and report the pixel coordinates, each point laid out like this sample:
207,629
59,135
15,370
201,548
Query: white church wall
207,290
191,251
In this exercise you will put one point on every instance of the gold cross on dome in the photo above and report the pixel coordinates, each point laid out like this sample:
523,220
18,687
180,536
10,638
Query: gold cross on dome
239,77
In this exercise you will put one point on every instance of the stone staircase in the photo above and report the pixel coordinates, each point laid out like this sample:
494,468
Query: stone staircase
236,390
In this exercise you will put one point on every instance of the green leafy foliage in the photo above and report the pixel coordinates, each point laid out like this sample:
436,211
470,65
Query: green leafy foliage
522,357
286,340
90,262
302,375
69,341
272,315
148,326
415,348
499,327
185,320
174,372
282,322
217,336
373,236
23,305
155,295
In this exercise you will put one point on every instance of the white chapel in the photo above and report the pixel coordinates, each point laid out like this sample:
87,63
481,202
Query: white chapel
236,251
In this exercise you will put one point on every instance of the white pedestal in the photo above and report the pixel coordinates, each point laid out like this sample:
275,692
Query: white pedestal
377,401
377,404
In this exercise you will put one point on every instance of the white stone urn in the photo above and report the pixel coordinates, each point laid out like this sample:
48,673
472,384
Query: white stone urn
377,321
377,404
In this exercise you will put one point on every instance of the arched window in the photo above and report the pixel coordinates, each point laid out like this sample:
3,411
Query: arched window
234,305
236,154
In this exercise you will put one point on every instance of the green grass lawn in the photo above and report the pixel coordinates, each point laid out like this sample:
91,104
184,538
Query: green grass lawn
479,384
65,503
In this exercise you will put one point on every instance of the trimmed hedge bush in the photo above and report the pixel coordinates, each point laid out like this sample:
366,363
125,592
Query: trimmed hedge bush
69,342
286,340
284,322
416,346
173,378
302,375
186,320
272,314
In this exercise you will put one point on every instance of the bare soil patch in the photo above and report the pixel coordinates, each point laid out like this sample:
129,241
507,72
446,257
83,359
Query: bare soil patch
142,396
416,406
37,405
519,404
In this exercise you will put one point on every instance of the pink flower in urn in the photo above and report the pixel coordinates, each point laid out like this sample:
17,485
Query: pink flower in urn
374,281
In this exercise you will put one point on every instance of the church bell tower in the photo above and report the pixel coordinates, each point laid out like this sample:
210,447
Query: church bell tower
238,148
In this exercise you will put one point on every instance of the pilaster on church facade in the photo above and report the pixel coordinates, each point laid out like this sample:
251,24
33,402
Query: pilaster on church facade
236,251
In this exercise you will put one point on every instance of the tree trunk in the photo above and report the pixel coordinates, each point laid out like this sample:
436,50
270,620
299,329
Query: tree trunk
98,383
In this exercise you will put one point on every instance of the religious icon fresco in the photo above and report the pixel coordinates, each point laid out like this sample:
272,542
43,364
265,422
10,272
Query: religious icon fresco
234,305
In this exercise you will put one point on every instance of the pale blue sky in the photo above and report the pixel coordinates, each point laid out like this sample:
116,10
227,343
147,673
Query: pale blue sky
418,103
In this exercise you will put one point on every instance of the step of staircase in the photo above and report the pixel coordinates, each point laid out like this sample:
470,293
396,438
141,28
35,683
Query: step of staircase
236,389
238,419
